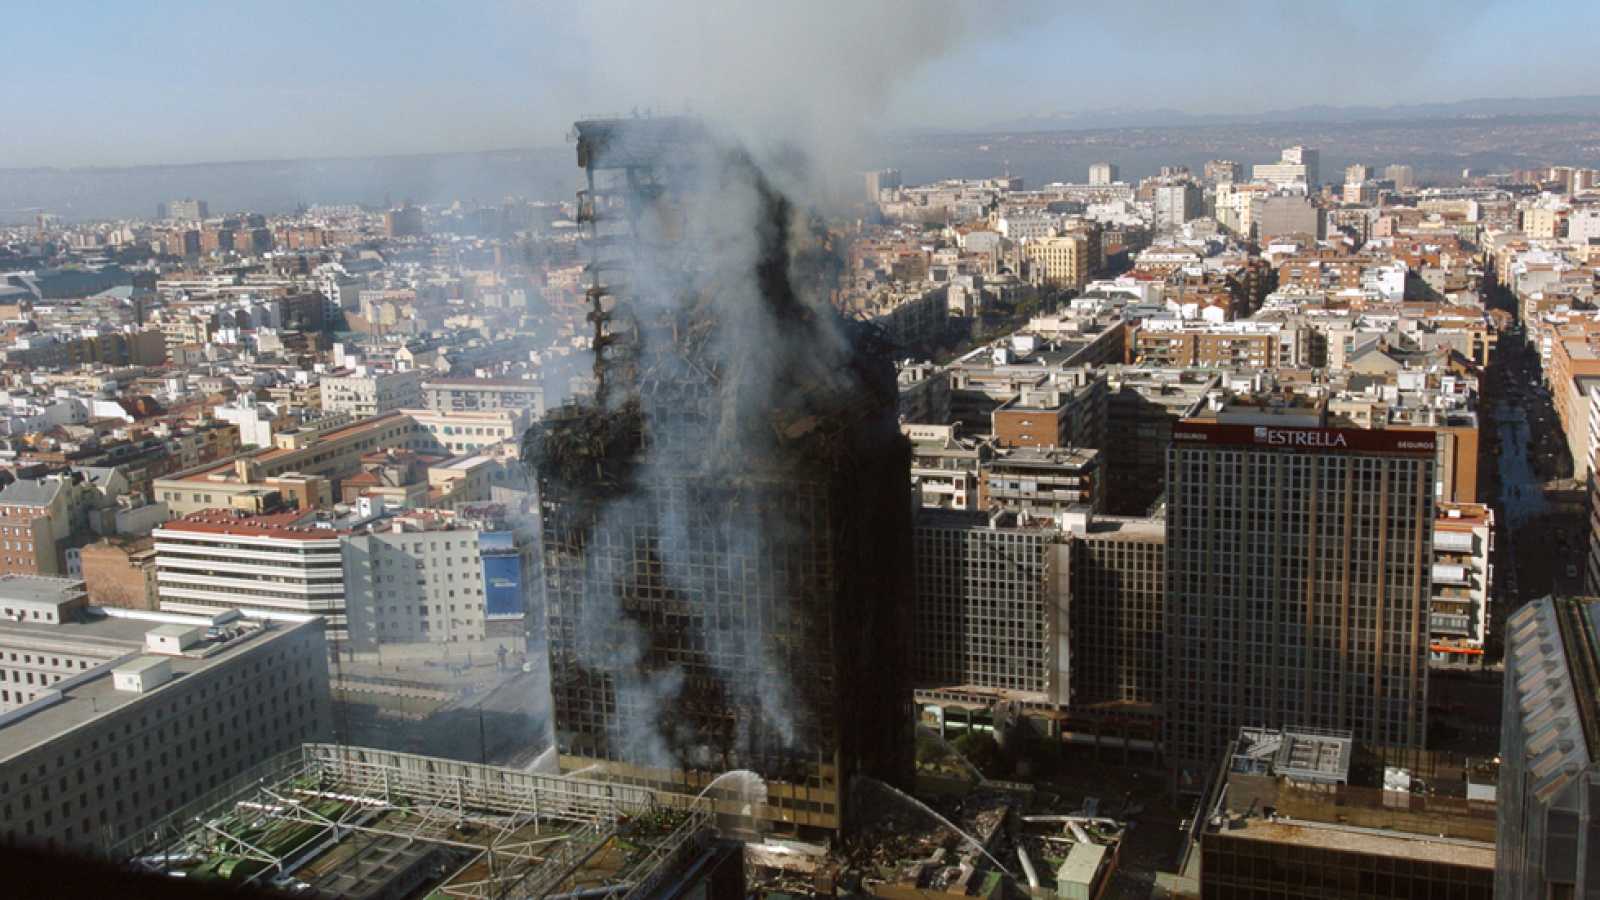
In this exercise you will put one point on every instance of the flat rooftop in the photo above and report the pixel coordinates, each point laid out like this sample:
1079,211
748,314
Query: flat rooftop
224,468
1306,755
470,461
114,635
495,416
1581,349
481,383
1372,841
1469,514
92,695
1046,457
39,588
1129,526
284,525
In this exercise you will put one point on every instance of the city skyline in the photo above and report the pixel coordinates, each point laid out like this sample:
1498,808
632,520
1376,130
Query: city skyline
749,451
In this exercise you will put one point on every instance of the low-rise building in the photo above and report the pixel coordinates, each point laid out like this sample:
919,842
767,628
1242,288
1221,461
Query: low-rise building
1462,583
415,578
1247,345
1068,410
945,467
269,566
473,394
114,721
34,519
1042,483
366,393
454,432
121,572
1288,818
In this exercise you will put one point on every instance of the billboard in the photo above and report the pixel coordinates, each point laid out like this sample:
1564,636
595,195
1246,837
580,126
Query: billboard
502,574
1303,440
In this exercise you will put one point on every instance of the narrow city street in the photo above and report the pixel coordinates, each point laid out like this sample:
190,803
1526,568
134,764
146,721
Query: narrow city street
1540,543
1521,489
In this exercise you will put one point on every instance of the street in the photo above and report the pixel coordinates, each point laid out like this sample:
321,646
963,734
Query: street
1540,546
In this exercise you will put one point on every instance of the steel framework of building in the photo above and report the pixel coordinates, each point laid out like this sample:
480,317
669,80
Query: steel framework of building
761,564
521,834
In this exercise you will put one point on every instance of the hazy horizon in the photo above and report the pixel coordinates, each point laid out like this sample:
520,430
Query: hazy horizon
1085,120
362,80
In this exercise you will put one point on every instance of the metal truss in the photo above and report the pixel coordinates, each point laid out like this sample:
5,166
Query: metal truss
523,834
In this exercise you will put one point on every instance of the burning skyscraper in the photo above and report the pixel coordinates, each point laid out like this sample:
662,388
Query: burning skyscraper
727,516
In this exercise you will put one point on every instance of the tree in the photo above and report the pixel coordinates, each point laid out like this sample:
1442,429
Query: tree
983,751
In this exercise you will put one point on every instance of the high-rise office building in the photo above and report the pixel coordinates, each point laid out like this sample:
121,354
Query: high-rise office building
1548,834
1117,572
727,520
1066,260
991,611
1297,168
1058,622
1280,215
1298,578
1224,171
405,221
880,180
1103,173
1176,202
1404,177
188,210
1310,159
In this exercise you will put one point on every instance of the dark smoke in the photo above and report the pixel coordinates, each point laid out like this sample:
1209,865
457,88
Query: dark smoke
719,490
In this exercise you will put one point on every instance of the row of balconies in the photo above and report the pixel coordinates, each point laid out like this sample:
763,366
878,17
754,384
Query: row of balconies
233,599
1450,623
1059,496
300,588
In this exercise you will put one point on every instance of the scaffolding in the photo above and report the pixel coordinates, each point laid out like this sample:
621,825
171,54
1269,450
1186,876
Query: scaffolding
334,820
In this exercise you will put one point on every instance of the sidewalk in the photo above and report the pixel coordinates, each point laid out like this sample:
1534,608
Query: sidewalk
454,664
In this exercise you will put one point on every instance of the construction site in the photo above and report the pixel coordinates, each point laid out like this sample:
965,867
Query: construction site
726,512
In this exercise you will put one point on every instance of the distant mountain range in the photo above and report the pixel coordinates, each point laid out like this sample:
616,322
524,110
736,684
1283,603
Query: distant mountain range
1586,105
1448,137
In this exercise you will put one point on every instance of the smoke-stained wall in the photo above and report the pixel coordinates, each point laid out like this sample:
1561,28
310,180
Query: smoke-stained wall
727,520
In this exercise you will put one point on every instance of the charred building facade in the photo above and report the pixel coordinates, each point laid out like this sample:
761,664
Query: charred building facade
727,519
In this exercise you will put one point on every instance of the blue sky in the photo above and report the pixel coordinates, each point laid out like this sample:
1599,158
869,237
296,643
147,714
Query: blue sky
161,81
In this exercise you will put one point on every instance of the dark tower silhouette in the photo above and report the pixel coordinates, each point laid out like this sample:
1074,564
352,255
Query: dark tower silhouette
727,514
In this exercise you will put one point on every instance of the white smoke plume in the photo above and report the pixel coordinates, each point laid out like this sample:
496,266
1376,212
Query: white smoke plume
819,75
791,95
